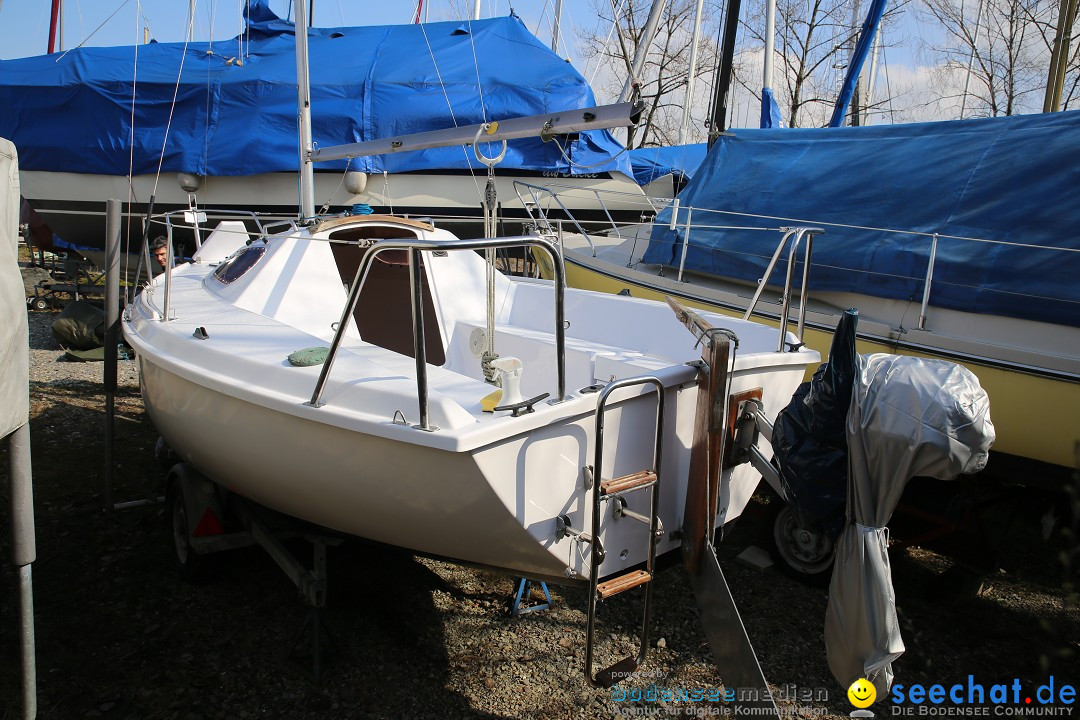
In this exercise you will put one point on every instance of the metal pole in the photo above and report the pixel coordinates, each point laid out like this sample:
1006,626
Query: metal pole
112,333
1055,55
770,41
788,232
1066,35
476,10
557,26
686,243
721,97
804,290
785,303
303,106
642,50
690,73
191,21
926,285
166,309
971,60
856,101
871,80
24,552
419,350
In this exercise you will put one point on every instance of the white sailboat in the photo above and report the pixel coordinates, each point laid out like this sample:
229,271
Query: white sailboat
577,474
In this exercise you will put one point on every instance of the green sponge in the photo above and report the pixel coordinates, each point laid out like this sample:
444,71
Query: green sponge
309,356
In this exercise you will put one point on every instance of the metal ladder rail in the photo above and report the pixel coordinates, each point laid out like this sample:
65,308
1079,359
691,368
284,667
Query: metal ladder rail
797,233
630,483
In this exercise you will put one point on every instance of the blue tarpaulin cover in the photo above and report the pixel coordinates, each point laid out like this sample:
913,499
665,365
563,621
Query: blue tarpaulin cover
237,116
650,163
1010,179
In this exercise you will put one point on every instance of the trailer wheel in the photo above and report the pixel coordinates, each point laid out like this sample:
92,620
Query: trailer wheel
805,554
192,566
39,303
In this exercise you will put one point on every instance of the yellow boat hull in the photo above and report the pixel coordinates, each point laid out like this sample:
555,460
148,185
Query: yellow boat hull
1035,416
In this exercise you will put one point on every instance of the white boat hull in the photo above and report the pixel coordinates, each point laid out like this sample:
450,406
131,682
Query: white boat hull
482,489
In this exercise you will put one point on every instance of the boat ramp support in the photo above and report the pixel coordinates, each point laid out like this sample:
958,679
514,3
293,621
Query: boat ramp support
23,554
201,511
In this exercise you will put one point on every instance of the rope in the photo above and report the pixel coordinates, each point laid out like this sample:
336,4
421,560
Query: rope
490,204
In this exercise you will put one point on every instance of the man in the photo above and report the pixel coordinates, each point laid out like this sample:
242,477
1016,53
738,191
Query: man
159,250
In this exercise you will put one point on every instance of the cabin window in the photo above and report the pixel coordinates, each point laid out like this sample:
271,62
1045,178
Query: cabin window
235,267
383,312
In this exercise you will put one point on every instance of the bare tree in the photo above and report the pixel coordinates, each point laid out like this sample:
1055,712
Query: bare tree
664,75
1007,49
814,39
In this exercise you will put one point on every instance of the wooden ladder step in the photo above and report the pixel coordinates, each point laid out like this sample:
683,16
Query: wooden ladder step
622,583
627,482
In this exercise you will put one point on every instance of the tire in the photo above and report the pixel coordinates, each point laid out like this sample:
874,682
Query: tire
39,304
192,566
802,553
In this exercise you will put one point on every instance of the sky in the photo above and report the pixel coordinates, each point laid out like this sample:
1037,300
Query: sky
24,24
24,30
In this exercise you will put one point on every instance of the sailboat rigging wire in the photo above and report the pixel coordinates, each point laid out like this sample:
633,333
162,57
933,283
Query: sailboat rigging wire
176,92
614,23
131,154
476,67
449,105
87,38
326,207
571,163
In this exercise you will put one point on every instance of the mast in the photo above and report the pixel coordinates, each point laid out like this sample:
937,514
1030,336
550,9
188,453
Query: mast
718,122
557,26
1059,57
476,10
856,97
53,22
691,72
971,60
642,51
303,106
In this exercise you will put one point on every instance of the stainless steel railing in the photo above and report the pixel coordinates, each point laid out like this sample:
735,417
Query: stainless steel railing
415,247
792,237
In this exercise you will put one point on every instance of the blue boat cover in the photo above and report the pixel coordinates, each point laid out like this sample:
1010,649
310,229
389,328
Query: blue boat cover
650,163
238,116
1014,181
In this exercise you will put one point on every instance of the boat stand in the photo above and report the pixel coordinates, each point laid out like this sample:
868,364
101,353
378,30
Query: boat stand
522,603
199,509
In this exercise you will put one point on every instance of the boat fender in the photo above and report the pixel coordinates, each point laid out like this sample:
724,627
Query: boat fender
309,357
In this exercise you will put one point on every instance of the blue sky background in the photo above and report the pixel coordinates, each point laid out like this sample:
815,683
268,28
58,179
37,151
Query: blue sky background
24,24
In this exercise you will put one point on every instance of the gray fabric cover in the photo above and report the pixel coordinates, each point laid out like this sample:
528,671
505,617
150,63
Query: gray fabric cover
908,416
14,338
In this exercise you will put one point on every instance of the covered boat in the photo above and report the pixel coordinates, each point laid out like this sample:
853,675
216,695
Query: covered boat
231,133
953,239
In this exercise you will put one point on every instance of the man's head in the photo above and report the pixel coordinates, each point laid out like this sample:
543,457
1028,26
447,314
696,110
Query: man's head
159,249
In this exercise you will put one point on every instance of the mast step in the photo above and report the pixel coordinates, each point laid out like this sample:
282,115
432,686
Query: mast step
622,583
633,481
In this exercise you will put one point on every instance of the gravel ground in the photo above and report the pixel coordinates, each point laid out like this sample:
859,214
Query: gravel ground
120,635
